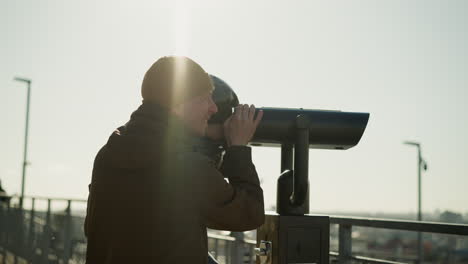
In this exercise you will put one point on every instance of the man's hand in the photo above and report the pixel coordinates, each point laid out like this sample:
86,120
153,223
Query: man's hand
240,127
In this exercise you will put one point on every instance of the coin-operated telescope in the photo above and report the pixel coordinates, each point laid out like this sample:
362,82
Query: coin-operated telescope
292,235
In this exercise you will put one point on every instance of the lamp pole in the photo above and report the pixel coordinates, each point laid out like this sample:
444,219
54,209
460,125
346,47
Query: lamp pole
421,165
25,153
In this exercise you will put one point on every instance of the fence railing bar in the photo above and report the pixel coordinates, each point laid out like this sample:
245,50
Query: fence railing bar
250,241
221,237
375,260
363,259
46,198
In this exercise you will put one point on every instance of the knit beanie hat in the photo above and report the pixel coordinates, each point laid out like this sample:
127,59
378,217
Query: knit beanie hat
172,80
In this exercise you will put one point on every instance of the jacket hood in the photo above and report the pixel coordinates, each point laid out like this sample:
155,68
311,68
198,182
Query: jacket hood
151,133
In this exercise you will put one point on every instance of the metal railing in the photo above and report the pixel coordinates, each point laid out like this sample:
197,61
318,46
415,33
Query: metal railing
40,236
46,235
51,235
231,250
345,225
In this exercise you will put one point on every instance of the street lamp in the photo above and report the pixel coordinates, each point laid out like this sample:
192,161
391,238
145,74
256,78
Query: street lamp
25,161
421,165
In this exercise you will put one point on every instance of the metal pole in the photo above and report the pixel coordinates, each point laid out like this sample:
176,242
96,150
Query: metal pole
68,234
344,244
300,193
420,164
287,157
47,235
420,247
25,153
31,247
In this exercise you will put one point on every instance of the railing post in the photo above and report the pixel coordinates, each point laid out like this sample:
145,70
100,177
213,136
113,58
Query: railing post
3,229
30,246
251,254
344,244
237,254
68,225
2,222
47,235
216,248
7,231
18,246
227,258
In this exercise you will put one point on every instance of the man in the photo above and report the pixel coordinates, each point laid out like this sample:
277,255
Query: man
152,195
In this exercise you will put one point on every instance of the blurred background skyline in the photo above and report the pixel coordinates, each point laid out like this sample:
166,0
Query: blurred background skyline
405,63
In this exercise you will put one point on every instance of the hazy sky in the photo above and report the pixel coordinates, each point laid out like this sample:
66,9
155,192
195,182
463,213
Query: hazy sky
404,62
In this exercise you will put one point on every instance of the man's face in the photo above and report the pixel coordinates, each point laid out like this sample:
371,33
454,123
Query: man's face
196,112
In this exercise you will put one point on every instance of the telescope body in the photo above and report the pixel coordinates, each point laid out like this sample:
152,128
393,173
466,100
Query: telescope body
292,236
327,129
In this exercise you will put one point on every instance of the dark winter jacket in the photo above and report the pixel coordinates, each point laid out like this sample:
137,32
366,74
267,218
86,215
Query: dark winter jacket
152,195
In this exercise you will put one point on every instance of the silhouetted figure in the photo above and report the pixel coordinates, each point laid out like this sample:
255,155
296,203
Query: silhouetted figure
152,194
3,195
1,188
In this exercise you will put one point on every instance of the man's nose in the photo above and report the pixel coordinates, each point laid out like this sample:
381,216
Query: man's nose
213,108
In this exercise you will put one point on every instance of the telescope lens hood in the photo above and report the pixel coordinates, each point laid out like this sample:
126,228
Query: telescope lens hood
224,98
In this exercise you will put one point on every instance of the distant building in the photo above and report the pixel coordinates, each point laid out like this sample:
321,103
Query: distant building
451,217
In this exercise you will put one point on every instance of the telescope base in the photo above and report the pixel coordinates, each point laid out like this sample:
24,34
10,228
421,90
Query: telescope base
295,239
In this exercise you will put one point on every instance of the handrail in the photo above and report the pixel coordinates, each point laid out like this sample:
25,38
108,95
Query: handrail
47,198
367,259
429,227
221,237
250,241
346,223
